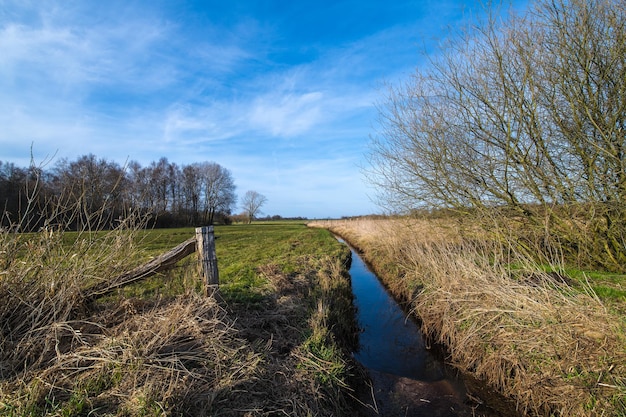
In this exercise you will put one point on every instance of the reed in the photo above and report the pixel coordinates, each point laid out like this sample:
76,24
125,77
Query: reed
42,285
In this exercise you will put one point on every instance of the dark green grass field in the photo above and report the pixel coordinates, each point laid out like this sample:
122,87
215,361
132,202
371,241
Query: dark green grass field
242,249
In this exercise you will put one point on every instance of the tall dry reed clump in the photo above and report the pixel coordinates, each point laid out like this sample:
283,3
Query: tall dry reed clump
43,280
534,336
172,359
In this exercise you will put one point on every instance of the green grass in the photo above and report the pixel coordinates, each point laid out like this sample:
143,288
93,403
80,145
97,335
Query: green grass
241,249
609,287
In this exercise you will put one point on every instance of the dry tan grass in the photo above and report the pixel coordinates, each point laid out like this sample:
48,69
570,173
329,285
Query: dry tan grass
178,357
554,349
42,286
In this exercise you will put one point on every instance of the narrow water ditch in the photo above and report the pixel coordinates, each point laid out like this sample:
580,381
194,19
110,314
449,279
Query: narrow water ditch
407,378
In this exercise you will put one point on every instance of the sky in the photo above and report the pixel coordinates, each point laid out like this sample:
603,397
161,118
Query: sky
282,93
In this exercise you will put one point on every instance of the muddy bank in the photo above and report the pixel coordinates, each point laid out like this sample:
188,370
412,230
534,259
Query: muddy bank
394,396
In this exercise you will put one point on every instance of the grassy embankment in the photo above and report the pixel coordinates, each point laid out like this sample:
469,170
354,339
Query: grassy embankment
275,346
551,338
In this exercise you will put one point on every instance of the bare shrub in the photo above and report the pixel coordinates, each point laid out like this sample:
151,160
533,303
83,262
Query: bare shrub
525,113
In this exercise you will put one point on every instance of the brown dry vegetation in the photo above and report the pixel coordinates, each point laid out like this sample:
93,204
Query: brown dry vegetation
125,355
540,338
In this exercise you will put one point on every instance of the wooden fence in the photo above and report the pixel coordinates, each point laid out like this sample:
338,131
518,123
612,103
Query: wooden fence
205,246
203,243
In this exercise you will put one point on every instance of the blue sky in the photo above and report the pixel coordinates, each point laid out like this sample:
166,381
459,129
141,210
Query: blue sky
282,93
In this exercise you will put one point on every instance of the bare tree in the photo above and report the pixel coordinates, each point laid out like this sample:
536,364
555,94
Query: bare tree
217,190
251,203
93,185
191,190
12,195
528,114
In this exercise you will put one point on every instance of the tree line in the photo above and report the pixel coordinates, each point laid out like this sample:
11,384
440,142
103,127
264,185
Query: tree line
92,192
526,115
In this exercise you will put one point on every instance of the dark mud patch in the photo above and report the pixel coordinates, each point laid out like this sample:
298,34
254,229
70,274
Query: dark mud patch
391,395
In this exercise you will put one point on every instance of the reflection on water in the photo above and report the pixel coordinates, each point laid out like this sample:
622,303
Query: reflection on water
389,341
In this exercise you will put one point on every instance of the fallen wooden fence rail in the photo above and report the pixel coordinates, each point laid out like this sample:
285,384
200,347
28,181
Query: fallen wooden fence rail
156,265
203,242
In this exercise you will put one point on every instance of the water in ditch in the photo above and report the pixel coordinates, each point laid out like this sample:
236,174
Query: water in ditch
407,378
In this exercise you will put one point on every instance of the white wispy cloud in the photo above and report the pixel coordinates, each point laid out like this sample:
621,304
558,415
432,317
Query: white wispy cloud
76,55
287,115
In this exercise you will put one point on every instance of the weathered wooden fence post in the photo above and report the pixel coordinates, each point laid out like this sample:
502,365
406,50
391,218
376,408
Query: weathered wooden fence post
205,245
